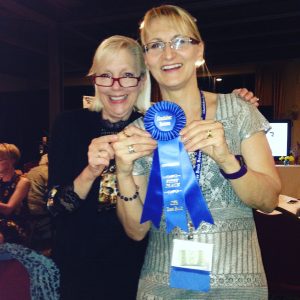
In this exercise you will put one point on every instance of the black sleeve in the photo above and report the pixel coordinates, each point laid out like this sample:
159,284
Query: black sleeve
62,166
60,154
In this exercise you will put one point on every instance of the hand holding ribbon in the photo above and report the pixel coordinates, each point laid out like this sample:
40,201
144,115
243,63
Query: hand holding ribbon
172,183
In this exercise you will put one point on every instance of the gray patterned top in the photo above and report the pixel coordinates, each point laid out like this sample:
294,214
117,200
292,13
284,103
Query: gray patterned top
237,269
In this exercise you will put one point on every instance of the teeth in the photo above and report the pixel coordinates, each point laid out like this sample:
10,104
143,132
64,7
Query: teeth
118,98
171,67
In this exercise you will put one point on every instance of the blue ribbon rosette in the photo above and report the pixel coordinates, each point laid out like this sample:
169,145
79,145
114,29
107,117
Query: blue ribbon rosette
172,183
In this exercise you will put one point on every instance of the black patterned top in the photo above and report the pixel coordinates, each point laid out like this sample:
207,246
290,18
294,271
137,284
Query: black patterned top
90,234
14,227
7,188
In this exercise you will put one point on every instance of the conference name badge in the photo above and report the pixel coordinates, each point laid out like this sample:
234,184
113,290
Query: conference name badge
191,265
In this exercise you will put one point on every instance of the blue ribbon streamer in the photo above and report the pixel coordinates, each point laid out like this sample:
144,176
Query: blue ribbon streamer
172,182
171,177
153,205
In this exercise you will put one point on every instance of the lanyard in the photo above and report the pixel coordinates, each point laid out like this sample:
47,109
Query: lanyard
198,153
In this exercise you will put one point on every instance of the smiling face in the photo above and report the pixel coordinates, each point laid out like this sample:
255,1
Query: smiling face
118,101
172,69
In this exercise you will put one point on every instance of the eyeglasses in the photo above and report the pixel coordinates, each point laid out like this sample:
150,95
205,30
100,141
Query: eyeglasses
177,43
108,81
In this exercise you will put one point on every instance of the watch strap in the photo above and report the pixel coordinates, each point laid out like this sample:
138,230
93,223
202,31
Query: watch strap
241,172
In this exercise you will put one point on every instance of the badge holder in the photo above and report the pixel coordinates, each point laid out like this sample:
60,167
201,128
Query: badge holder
191,264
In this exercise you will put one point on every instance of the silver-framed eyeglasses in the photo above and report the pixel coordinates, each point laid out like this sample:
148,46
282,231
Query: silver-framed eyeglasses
108,81
177,43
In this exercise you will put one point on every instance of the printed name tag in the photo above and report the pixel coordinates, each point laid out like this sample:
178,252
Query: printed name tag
192,255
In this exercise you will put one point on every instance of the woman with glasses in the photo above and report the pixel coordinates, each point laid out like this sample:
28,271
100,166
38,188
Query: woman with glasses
90,247
220,259
94,255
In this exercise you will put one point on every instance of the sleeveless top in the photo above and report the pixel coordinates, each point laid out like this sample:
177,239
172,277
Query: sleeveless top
14,227
7,188
237,269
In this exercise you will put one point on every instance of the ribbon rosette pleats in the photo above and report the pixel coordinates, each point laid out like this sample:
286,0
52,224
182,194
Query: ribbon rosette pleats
172,183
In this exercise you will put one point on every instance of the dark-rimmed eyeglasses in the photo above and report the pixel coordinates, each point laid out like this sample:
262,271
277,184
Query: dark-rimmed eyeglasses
177,43
108,81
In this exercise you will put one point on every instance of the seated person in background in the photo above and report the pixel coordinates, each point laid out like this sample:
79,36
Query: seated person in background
13,192
38,177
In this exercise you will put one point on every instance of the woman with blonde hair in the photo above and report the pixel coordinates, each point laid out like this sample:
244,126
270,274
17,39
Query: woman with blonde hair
13,192
94,255
220,258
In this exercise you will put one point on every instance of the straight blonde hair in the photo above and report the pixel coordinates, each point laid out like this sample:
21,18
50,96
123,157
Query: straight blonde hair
111,46
180,19
10,151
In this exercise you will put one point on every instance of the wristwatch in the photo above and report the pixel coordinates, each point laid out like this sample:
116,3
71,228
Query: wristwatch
241,172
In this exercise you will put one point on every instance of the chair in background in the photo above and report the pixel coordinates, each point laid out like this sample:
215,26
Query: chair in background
35,275
14,280
279,239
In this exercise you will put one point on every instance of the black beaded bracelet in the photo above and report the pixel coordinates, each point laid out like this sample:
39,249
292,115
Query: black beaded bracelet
136,194
241,172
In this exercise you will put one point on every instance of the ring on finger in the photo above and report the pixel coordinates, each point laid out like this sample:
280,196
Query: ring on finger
125,133
131,149
209,134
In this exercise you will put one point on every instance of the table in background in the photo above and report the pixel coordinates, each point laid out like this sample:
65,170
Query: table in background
290,179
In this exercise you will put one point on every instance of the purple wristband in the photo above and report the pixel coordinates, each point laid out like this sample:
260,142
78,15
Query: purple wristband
241,172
